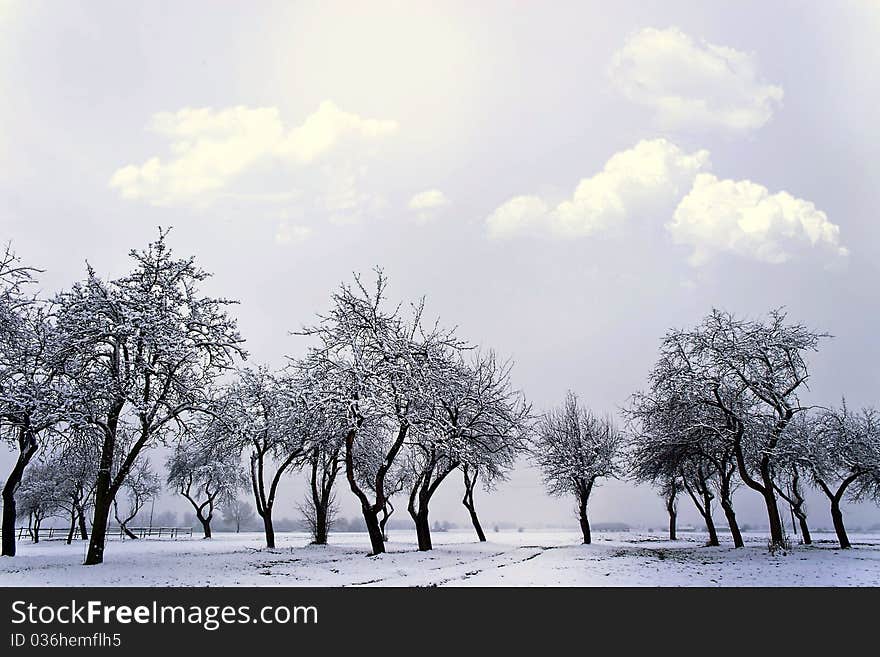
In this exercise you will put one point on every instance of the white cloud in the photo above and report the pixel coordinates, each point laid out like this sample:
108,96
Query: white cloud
426,204
693,84
651,175
428,200
744,218
210,148
288,233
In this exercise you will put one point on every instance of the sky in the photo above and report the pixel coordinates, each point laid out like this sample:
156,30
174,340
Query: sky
563,181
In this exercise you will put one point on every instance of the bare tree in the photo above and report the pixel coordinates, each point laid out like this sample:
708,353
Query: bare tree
574,448
140,486
263,414
479,421
841,449
375,364
205,475
38,496
237,513
139,354
28,394
751,372
675,439
76,463
670,488
324,461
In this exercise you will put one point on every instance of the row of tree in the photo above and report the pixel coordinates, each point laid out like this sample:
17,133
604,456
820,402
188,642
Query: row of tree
99,375
385,403
723,408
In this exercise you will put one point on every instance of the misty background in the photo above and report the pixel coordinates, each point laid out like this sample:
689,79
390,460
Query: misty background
291,144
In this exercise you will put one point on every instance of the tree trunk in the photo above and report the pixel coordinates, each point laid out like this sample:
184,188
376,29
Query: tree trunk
468,501
270,529
387,511
839,528
805,530
103,501
27,449
673,515
478,528
701,487
765,487
585,524
206,526
321,524
777,533
730,514
83,531
377,541
710,523
423,530
37,522
72,531
584,488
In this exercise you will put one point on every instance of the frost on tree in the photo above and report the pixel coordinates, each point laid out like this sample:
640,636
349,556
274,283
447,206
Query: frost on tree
28,392
259,415
840,449
376,361
483,424
573,449
140,487
681,445
205,474
138,355
750,371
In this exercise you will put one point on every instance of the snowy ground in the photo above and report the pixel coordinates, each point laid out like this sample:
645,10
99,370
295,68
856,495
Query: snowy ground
509,559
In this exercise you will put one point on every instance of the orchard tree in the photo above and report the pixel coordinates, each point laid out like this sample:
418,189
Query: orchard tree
375,361
670,488
76,463
237,513
141,486
324,461
573,449
139,354
841,450
205,475
323,456
28,392
678,442
487,423
262,415
750,371
38,496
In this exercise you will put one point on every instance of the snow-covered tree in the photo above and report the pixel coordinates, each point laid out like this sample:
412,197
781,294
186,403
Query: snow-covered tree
675,439
28,393
573,449
375,362
261,414
840,449
205,475
76,464
480,425
237,513
139,487
751,371
38,496
139,354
